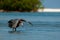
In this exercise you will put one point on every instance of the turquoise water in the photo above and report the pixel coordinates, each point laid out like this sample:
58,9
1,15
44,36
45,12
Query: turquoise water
46,26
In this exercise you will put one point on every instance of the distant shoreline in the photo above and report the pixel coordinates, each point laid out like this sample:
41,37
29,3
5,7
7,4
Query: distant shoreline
1,10
39,10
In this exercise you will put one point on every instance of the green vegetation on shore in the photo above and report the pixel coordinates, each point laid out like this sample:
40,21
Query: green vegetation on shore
20,5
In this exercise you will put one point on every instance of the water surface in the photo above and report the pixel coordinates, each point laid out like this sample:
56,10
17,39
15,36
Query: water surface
46,26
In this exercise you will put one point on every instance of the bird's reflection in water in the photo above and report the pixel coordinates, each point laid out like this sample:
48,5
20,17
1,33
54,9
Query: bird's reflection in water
17,32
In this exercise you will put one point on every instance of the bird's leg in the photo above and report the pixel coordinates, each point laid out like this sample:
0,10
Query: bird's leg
15,29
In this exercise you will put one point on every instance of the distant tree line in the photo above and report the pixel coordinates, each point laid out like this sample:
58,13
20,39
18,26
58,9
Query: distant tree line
20,5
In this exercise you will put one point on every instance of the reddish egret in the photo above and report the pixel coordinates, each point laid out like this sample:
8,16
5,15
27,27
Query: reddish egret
14,23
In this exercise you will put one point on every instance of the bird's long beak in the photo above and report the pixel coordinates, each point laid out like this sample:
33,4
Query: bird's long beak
30,23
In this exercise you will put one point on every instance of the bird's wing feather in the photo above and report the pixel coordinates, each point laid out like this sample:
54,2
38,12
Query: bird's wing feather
30,23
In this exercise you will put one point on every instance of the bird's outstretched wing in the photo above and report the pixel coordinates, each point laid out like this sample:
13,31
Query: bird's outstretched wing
30,23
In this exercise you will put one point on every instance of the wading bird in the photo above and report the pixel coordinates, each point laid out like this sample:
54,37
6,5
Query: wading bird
15,23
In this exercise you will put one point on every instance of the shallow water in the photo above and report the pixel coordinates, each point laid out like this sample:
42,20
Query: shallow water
46,26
